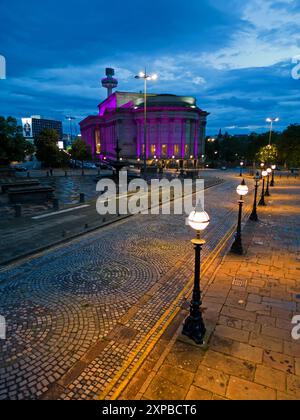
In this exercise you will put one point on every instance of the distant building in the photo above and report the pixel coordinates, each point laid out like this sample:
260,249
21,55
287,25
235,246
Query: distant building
32,127
176,126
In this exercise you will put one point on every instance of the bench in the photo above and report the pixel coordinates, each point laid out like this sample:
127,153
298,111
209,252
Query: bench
30,195
5,187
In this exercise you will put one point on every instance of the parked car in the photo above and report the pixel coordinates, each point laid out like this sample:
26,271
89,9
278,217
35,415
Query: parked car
104,166
19,168
89,165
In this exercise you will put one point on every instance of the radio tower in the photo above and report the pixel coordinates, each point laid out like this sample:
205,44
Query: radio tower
109,82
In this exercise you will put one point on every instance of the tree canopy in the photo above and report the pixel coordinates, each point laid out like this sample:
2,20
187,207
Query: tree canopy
80,150
13,146
285,147
47,150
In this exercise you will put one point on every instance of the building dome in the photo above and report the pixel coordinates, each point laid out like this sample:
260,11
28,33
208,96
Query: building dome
168,100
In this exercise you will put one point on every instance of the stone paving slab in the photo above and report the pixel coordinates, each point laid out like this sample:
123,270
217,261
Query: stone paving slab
251,354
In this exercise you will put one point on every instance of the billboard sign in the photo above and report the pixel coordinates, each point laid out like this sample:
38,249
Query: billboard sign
27,127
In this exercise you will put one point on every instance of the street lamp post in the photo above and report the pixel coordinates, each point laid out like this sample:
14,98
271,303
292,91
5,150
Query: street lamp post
262,201
271,121
145,77
241,168
267,193
253,215
194,327
237,246
273,167
71,119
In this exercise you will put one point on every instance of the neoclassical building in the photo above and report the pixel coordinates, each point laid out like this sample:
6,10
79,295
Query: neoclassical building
175,127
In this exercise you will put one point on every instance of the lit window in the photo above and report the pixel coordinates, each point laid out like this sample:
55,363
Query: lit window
176,149
164,150
153,149
187,149
98,141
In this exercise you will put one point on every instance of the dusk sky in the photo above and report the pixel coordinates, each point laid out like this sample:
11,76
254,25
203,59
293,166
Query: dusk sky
235,56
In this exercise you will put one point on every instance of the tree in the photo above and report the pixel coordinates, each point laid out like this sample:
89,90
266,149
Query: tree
268,154
47,150
81,151
289,146
13,145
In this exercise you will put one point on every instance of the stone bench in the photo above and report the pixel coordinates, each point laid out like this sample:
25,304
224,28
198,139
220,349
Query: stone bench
30,195
5,187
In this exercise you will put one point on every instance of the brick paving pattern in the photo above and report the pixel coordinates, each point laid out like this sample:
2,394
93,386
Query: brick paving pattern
77,312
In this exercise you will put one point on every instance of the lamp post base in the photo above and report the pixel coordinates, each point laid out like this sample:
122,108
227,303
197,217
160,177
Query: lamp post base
253,217
237,246
194,328
262,202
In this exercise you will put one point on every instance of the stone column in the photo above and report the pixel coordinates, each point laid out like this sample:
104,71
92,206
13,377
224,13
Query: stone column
183,137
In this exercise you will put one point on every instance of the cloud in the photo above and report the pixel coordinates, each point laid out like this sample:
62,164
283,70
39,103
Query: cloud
235,57
270,35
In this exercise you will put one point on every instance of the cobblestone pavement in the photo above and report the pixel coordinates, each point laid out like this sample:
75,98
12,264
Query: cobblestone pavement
24,235
75,314
249,305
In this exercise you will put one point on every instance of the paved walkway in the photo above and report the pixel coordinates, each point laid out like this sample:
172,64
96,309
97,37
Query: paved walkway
249,304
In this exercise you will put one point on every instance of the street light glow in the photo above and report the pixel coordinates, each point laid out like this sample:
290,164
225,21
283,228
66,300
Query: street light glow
242,189
198,220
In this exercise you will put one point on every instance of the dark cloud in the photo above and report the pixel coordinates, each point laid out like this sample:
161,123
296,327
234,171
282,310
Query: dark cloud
56,54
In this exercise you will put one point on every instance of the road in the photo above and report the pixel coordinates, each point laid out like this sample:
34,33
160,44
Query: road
76,313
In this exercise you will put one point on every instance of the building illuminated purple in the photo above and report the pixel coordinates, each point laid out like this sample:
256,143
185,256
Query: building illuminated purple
175,126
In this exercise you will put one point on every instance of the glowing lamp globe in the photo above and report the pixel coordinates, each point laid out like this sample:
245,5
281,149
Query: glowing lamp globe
242,163
198,220
264,173
242,189
269,171
154,77
273,167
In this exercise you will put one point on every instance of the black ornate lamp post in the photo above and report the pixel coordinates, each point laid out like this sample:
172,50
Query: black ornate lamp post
262,201
237,246
273,167
253,215
241,168
267,193
194,327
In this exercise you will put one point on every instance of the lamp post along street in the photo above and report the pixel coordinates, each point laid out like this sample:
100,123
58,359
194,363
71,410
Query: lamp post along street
273,167
241,168
267,193
254,216
194,326
271,121
262,201
145,77
237,246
